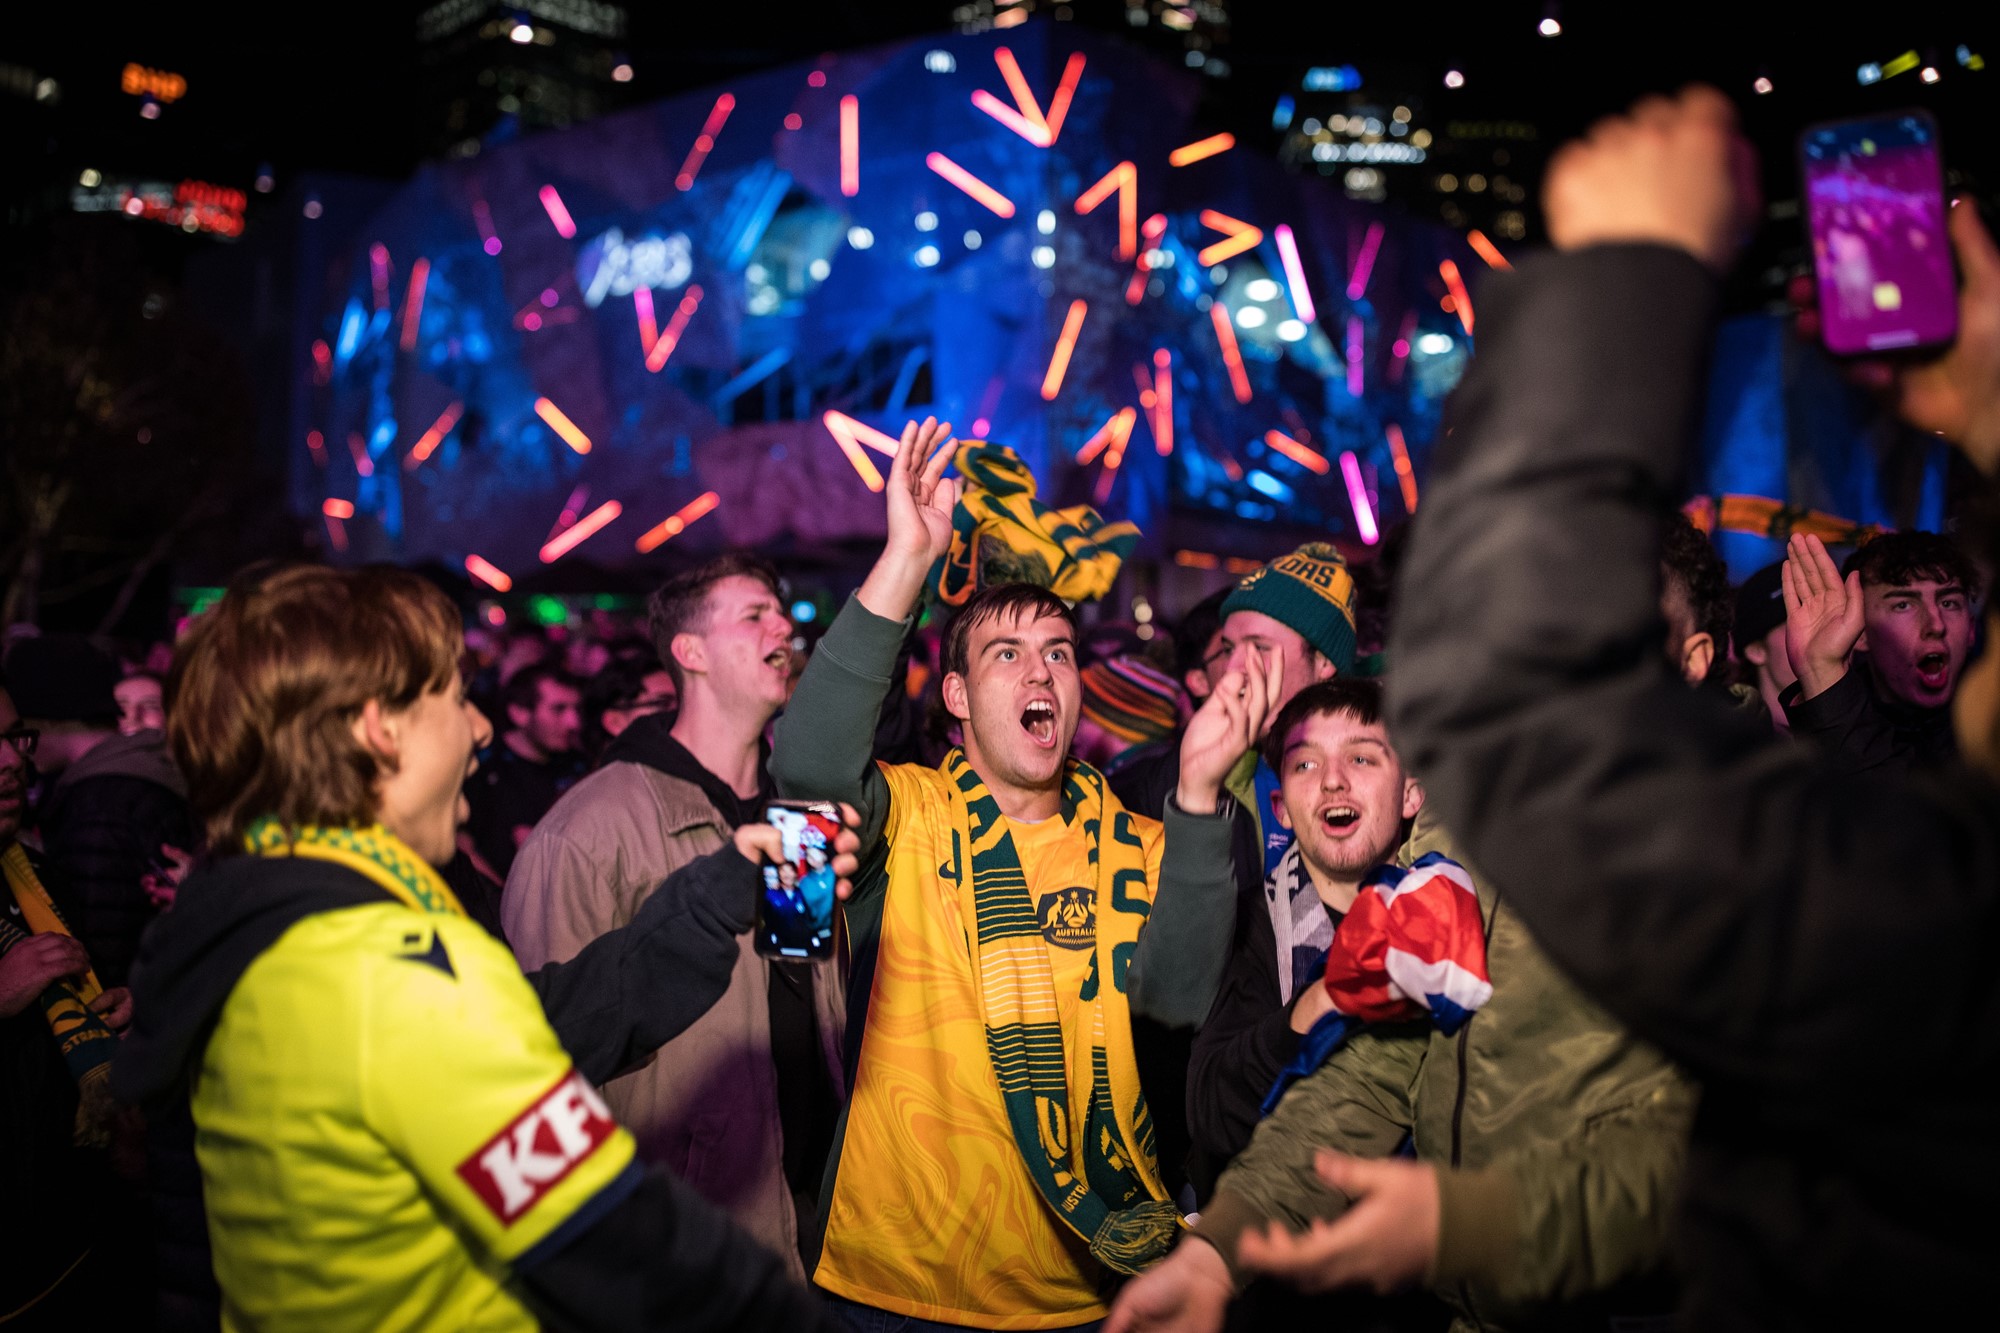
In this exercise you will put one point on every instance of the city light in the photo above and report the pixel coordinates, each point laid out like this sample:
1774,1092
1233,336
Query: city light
1239,236
521,34
1290,330
1930,74
1201,148
1232,355
677,523
552,204
1261,289
927,256
1364,263
1761,85
622,72
428,442
488,573
860,237
926,221
1043,256
1549,27
1045,222
584,528
978,189
571,434
1250,317
1295,277
940,62
1453,79
1357,496
1312,460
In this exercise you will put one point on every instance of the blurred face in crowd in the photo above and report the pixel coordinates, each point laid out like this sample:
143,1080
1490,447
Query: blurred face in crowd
1020,698
1918,635
1975,710
1200,682
555,724
140,706
1249,634
656,695
743,653
427,752
1690,649
13,770
1344,793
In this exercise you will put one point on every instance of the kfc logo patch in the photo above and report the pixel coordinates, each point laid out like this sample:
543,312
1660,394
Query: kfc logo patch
539,1149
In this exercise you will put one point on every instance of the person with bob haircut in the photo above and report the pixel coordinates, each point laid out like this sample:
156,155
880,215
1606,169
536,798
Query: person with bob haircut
396,1129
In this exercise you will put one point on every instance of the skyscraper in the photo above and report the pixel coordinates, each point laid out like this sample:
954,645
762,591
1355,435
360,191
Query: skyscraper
533,63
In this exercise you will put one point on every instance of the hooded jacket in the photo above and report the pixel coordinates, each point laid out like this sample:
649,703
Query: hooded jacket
102,825
1790,933
706,1106
627,993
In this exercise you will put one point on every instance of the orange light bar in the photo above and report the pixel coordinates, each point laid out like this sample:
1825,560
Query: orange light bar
574,535
1065,93
1065,344
678,522
1461,300
1024,97
1201,148
1232,355
336,533
642,306
1121,431
1036,134
364,462
704,142
850,435
850,145
663,346
1304,455
413,304
1197,560
1119,425
1486,250
971,184
571,433
1240,236
1163,395
337,508
488,573
1124,178
428,442
1406,476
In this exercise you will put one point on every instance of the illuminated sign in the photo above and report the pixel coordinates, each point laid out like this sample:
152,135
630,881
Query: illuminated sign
193,206
154,83
614,266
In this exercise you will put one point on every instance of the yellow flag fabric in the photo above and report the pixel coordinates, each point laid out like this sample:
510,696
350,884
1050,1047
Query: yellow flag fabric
1000,533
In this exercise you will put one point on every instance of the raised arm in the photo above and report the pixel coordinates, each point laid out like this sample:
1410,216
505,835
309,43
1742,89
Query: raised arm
823,748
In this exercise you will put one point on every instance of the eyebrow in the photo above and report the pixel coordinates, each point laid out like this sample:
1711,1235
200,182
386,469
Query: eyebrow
1015,641
1911,590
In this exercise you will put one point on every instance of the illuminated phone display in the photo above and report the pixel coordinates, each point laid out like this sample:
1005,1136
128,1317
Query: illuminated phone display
795,910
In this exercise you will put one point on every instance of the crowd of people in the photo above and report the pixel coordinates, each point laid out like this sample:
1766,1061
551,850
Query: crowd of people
1536,967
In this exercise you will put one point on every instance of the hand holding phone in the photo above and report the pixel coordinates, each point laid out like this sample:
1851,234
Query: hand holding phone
808,851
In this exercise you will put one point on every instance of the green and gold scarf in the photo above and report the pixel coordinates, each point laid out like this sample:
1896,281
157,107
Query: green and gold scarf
86,1041
371,851
1000,533
1119,1206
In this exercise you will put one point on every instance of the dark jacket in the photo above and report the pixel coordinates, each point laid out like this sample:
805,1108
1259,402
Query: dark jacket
1791,934
102,825
1865,731
623,996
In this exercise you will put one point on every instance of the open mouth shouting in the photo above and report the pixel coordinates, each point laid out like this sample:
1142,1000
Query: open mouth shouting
1934,671
1339,820
1038,719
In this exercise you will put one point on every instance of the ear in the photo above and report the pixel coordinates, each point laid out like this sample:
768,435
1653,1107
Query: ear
1696,654
379,732
1197,684
520,716
956,701
1861,644
1278,809
1754,653
1322,666
690,653
1413,798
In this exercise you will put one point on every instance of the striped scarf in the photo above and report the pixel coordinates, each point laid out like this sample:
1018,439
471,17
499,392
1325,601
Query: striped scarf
1119,1205
1000,533
371,851
87,1043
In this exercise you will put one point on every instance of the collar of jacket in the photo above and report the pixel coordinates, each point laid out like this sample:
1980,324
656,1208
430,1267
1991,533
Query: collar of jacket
650,741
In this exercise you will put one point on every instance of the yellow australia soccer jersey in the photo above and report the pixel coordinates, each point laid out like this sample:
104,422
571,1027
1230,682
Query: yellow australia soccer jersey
384,1121
934,1214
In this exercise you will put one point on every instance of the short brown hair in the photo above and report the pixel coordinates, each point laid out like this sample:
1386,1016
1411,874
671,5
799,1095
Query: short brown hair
266,687
1360,697
999,601
681,604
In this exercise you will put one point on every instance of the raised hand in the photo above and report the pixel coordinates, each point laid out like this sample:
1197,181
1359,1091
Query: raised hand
920,502
1822,615
1225,729
31,966
1674,171
1387,1238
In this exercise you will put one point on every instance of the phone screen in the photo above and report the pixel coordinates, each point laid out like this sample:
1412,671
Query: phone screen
795,911
1875,207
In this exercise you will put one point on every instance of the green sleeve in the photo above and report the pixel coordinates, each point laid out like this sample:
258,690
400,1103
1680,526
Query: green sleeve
1560,1220
1184,946
1359,1102
824,744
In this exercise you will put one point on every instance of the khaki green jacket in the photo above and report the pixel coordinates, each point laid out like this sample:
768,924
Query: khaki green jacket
1558,1139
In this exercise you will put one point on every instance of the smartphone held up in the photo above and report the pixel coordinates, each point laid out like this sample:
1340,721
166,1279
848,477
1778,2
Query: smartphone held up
1876,215
795,910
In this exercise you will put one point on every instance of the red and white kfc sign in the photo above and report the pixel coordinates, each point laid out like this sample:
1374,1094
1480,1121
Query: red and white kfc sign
539,1149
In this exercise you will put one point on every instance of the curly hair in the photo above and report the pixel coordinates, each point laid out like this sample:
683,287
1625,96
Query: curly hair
1897,559
1697,587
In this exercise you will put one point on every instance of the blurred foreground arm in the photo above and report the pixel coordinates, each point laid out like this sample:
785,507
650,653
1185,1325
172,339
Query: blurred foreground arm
1732,899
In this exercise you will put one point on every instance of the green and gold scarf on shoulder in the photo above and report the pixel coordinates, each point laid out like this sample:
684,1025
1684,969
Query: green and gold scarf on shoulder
371,851
87,1043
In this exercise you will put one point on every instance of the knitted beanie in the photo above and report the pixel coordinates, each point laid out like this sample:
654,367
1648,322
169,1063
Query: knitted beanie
1310,591
1132,699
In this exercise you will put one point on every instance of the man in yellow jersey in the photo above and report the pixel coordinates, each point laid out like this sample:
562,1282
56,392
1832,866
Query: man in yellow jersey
995,1167
396,1129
